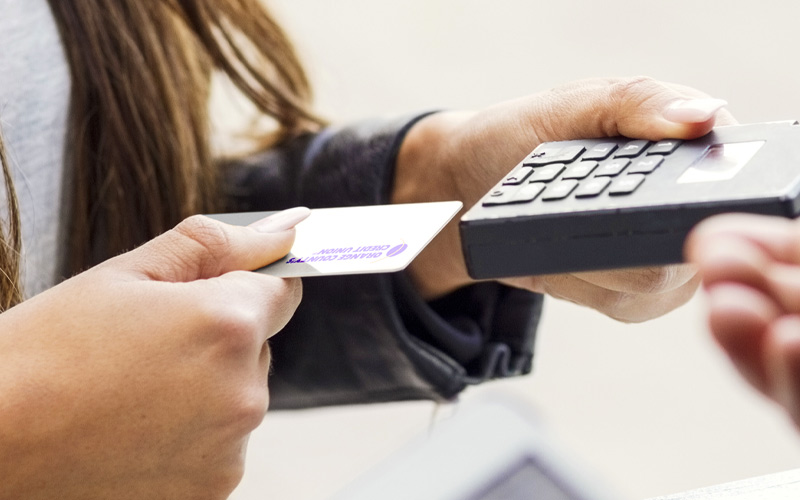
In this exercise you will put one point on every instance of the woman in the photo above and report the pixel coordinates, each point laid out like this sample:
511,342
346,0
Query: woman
143,375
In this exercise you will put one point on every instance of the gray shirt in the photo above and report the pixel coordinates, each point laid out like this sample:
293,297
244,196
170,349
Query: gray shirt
34,97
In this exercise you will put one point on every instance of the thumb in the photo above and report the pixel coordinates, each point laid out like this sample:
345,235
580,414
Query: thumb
636,107
201,247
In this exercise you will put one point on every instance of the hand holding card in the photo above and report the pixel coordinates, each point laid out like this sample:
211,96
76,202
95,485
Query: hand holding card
356,240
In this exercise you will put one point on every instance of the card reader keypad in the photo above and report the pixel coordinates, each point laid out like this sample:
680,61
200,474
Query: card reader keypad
554,173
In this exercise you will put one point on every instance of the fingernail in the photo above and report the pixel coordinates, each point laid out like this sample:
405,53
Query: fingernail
693,110
281,221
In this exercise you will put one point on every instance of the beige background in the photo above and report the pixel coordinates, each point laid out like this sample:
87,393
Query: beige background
654,408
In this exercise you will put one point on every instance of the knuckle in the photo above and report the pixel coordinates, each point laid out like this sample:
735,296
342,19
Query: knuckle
292,293
632,88
653,280
639,307
628,96
663,279
231,327
218,474
211,237
627,307
260,306
226,479
295,292
237,328
285,294
617,306
250,408
200,227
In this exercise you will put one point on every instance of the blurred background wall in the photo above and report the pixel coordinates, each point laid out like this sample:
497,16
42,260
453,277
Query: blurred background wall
653,408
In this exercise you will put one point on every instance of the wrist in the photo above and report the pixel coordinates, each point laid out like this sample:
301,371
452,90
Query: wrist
425,172
422,170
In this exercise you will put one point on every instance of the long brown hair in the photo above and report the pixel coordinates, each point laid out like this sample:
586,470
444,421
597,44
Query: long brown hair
139,132
10,241
139,124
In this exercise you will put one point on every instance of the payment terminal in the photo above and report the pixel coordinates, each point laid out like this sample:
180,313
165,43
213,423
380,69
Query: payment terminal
616,202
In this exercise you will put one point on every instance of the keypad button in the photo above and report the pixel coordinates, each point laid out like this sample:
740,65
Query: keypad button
559,190
664,147
592,187
612,168
500,196
518,176
580,170
546,157
547,173
546,151
645,165
528,192
600,151
632,149
626,184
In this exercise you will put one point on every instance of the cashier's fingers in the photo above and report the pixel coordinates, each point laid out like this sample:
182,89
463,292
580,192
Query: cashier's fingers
783,285
727,257
779,238
762,252
739,317
783,364
633,107
641,280
623,306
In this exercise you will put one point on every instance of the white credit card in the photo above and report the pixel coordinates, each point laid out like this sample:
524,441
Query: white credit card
356,240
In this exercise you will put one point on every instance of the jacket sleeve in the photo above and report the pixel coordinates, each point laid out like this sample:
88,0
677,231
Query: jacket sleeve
372,338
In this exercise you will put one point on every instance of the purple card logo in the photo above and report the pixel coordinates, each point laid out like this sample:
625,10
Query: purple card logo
370,253
397,250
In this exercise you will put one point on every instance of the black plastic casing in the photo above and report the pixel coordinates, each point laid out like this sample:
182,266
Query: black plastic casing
647,227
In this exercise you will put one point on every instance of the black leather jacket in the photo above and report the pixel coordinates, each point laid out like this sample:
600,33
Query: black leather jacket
371,338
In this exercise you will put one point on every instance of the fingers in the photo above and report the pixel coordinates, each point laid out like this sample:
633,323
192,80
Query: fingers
778,237
272,301
634,107
750,267
240,309
642,280
200,247
727,258
761,252
783,364
627,306
739,317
